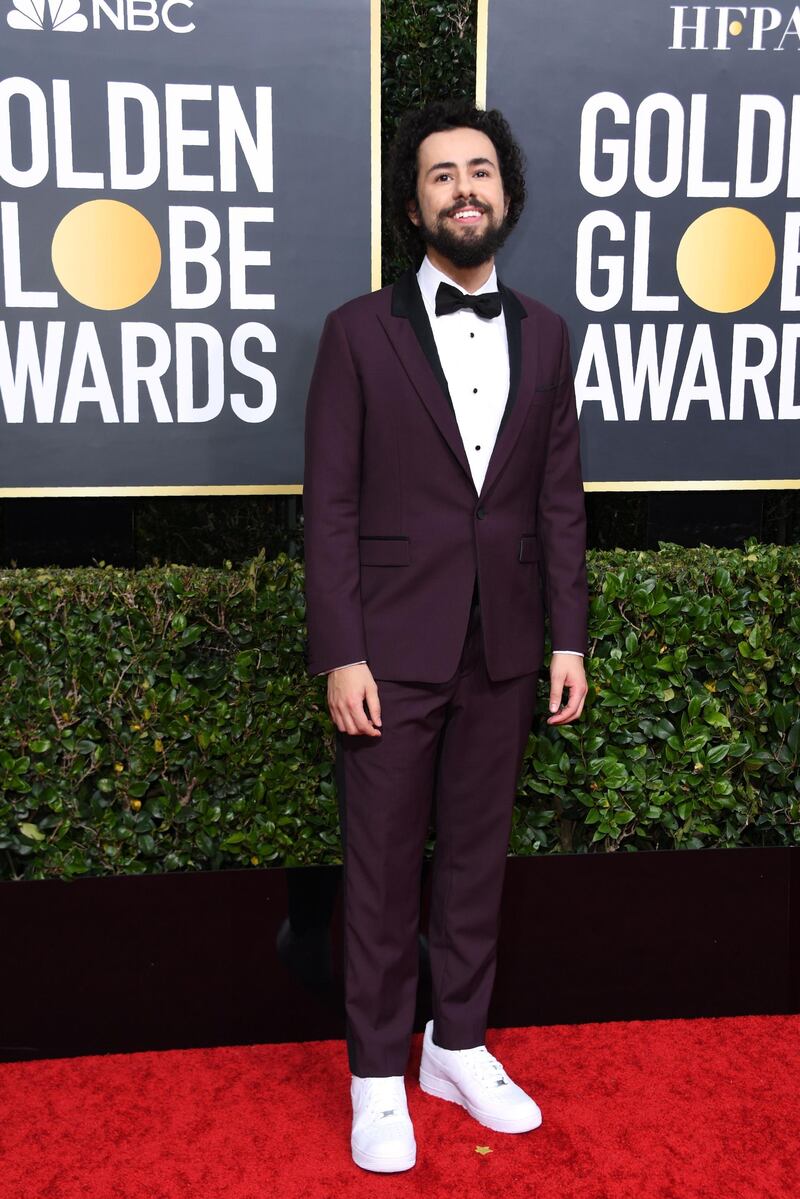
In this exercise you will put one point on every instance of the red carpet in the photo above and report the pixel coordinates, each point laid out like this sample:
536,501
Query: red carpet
669,1109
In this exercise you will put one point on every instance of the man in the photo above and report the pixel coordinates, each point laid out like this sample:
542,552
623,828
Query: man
444,514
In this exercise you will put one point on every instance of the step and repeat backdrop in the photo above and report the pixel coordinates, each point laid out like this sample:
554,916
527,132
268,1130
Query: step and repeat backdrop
663,148
185,192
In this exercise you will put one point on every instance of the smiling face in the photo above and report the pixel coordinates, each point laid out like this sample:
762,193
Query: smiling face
461,205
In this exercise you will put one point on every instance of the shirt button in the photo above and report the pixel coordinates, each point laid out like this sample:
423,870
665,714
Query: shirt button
474,391
477,447
472,334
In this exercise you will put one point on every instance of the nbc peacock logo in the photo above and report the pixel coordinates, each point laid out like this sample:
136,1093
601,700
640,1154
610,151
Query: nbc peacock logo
62,15
122,16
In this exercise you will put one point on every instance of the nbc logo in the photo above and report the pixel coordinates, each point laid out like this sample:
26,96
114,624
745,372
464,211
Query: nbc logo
132,16
64,15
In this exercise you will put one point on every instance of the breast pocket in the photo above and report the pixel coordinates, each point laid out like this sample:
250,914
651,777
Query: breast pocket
384,551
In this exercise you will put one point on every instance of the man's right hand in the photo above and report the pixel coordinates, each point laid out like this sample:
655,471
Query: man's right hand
348,688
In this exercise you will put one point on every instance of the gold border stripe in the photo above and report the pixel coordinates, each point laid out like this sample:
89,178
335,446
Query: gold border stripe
696,485
375,140
209,489
482,53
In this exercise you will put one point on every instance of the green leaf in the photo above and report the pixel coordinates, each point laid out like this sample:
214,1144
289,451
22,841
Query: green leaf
31,832
614,775
716,754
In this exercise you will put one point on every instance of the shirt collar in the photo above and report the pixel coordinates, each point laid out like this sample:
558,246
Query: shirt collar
429,277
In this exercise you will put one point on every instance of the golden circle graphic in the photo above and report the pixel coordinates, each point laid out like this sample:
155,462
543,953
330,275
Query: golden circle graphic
106,254
726,259
735,28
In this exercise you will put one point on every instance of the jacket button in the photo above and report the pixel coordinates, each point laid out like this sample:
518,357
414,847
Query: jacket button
481,513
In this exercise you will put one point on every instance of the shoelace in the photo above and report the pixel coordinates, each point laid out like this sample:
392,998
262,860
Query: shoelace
385,1103
485,1066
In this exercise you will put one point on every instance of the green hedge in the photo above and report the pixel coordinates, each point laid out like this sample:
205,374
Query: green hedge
691,736
163,720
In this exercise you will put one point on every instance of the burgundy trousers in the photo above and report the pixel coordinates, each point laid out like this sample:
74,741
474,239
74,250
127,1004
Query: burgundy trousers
455,748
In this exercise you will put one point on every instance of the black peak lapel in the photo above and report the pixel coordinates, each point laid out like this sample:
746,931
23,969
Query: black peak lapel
407,302
514,313
410,332
522,354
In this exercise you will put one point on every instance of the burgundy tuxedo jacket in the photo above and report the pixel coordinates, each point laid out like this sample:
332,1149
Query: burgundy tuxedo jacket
395,529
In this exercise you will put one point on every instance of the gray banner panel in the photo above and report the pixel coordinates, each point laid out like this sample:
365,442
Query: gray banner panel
185,194
663,147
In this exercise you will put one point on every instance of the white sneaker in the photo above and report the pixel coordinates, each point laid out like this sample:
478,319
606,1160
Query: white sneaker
476,1080
382,1138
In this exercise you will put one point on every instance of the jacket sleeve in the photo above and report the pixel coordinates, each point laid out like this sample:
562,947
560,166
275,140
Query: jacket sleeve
332,479
562,517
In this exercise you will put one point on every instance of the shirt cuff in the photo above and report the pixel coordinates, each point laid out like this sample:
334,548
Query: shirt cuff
577,652
362,662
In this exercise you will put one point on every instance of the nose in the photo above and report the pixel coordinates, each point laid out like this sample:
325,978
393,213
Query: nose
461,184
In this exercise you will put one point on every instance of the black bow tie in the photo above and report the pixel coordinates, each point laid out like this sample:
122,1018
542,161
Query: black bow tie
450,299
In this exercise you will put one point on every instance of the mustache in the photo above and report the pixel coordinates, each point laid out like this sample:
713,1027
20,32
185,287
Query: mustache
466,204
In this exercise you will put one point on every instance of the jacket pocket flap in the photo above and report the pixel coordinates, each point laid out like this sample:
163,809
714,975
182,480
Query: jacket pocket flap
528,549
383,551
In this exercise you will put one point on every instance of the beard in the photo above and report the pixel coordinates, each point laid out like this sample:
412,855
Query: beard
469,248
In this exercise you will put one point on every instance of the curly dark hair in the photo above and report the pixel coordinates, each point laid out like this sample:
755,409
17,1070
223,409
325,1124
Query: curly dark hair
414,127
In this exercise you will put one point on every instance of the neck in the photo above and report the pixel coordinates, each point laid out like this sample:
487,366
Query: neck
469,278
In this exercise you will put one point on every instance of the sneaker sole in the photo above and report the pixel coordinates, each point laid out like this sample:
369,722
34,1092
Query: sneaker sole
441,1088
383,1165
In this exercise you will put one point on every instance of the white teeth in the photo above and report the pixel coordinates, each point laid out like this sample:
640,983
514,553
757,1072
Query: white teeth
463,213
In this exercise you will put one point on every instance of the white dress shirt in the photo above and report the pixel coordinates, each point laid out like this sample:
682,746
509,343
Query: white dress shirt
473,351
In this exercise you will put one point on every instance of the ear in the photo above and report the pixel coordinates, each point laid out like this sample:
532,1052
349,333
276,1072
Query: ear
413,211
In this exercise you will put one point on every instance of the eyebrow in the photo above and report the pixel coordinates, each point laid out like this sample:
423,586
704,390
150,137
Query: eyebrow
473,162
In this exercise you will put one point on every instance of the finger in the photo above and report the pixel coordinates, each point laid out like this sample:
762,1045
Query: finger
349,723
559,718
373,704
343,715
572,709
359,717
336,717
339,721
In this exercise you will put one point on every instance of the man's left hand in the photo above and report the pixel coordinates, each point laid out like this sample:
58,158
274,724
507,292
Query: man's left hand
566,670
